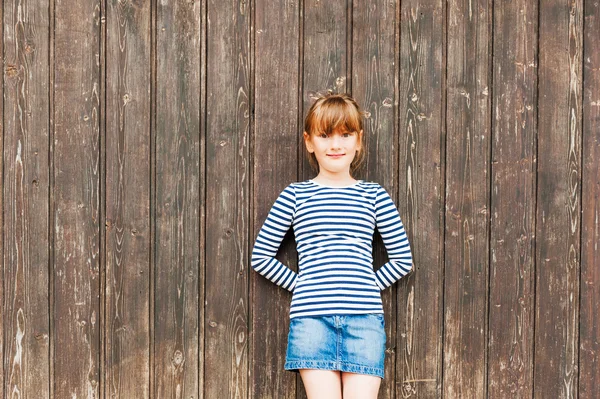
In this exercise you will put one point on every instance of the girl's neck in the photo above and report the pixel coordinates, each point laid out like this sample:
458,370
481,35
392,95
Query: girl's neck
334,180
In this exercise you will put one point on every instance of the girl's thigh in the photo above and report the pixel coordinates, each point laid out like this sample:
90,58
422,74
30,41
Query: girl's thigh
322,384
360,386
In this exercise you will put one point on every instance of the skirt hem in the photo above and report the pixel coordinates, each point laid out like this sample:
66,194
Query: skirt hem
294,366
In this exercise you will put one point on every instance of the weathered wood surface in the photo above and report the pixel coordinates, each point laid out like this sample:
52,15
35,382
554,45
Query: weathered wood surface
421,200
467,213
177,200
2,194
76,324
513,194
588,369
25,321
143,144
558,207
228,94
128,190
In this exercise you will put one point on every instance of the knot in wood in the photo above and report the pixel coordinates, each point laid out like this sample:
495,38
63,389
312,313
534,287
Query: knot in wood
177,358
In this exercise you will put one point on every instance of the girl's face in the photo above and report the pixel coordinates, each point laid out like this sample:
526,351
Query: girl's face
334,151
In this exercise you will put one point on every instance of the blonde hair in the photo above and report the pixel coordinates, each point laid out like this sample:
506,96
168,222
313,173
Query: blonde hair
329,112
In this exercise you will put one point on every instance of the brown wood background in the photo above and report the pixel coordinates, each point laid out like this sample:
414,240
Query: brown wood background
143,143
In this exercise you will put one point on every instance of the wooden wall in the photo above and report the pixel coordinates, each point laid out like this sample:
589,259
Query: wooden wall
143,143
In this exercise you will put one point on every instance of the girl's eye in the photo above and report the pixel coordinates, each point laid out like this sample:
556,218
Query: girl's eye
325,135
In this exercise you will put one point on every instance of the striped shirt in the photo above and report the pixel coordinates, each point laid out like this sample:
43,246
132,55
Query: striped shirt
334,228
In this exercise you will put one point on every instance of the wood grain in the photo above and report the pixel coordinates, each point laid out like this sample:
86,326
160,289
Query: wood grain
558,199
77,200
143,144
27,117
324,56
467,198
26,182
421,171
589,322
228,108
128,200
512,268
274,167
177,220
3,265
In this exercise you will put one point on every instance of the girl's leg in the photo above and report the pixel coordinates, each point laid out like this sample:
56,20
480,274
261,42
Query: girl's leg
360,386
322,384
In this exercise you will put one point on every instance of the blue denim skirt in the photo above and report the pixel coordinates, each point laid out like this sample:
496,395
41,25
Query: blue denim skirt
354,343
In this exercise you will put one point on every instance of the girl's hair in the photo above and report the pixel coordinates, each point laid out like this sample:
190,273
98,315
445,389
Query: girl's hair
329,112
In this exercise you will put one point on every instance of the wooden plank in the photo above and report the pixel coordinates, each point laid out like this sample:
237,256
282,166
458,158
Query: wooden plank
51,197
589,321
153,242
102,150
228,108
513,200
421,114
274,167
323,59
558,211
467,199
27,116
2,261
127,200
374,86
177,199
203,205
202,325
323,56
77,200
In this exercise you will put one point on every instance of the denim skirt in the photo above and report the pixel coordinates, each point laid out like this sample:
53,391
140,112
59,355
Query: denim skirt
354,343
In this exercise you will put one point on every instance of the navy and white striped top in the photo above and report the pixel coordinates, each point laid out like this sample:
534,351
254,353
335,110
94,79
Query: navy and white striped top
334,228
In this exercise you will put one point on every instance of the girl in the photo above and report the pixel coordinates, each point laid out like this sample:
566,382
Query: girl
337,332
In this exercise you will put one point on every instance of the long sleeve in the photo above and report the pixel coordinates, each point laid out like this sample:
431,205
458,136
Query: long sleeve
395,240
269,239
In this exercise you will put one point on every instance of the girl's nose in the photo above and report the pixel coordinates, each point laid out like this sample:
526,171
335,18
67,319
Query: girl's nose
335,142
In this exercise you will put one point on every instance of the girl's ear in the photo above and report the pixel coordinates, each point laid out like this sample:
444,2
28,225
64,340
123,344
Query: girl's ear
307,142
360,134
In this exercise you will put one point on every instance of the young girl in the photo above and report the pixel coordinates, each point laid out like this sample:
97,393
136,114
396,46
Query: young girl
337,332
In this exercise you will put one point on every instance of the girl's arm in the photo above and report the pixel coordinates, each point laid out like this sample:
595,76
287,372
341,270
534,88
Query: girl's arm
269,239
395,240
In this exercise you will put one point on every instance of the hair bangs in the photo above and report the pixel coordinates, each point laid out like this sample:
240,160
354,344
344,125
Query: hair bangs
334,114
